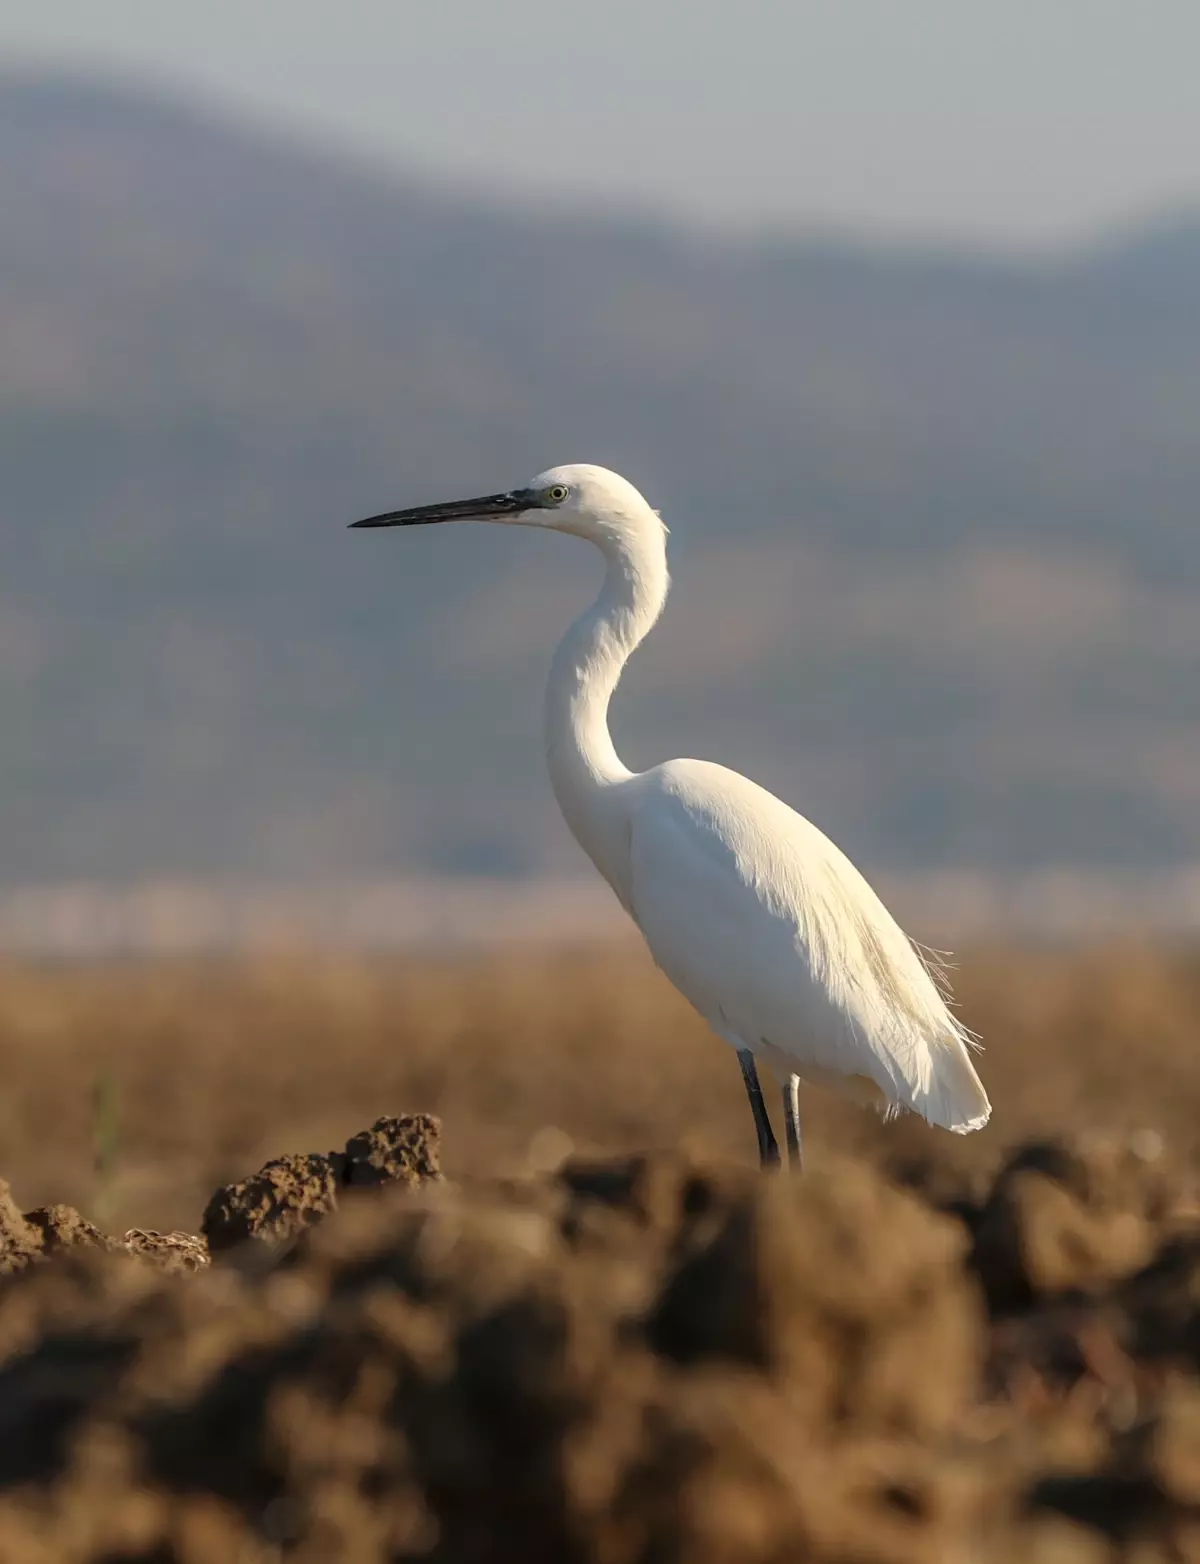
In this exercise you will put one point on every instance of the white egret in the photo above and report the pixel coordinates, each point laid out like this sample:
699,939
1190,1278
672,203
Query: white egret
754,915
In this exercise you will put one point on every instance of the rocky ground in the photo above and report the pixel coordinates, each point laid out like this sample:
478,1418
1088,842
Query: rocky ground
624,1360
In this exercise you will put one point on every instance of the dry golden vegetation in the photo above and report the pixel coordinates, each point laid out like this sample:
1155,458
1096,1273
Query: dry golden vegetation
177,1077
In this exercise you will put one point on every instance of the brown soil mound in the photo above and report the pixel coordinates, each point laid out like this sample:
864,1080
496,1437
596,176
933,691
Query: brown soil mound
292,1193
625,1362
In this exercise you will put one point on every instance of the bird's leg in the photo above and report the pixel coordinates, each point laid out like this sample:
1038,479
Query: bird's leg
768,1146
791,1118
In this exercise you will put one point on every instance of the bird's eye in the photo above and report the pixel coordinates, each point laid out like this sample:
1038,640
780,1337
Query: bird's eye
558,493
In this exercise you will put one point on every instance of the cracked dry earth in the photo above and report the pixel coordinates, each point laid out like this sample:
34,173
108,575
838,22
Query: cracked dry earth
644,1360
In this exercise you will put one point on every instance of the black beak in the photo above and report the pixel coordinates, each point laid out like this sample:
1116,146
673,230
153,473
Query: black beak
488,508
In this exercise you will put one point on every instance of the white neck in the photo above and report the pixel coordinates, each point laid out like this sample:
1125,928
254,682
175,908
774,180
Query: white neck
584,765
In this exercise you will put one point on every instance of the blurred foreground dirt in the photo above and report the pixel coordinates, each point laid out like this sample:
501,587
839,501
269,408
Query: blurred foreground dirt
572,1347
624,1361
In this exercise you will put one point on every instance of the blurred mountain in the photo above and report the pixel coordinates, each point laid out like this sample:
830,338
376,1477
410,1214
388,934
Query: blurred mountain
935,518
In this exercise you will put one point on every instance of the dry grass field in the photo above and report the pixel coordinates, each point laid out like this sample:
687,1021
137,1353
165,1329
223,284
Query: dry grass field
134,1090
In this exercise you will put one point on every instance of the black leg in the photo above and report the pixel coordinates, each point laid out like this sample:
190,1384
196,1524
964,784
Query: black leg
768,1147
791,1117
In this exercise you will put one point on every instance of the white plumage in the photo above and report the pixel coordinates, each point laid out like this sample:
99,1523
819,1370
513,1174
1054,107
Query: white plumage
754,915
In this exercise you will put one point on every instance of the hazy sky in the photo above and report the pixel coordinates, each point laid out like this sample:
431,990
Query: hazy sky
1010,121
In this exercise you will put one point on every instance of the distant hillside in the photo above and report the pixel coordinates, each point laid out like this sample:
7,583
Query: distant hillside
935,521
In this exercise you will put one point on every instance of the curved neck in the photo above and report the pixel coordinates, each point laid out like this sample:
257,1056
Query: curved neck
587,665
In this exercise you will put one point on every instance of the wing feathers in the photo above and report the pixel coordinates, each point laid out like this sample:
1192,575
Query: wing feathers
779,942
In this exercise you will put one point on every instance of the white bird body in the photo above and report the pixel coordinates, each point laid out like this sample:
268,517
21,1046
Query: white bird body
755,916
782,946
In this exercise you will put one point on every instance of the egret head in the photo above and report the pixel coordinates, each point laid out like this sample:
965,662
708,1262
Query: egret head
589,501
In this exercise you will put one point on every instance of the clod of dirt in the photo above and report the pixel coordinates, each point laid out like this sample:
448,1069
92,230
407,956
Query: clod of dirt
170,1251
837,1284
404,1150
62,1227
1063,1219
293,1193
46,1231
18,1244
284,1197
